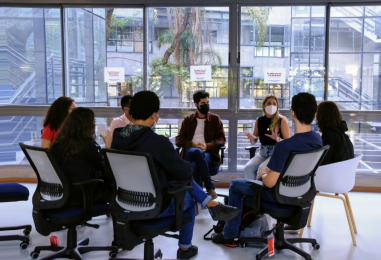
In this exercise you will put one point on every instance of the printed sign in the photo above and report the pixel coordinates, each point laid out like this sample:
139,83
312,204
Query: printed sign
201,73
275,75
113,75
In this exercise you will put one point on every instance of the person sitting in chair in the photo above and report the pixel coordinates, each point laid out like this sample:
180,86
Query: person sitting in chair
303,109
201,135
173,171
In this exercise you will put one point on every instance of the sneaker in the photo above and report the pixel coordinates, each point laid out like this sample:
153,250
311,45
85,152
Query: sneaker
212,193
218,238
191,252
223,212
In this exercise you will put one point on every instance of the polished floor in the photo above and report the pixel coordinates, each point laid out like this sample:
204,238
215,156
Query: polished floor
329,227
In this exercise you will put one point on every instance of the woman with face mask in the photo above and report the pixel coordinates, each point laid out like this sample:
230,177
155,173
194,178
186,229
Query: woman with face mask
269,129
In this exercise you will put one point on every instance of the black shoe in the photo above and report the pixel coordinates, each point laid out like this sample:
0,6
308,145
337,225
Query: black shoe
191,252
223,212
218,238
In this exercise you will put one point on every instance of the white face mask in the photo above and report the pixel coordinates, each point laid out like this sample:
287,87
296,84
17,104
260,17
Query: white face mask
271,110
153,127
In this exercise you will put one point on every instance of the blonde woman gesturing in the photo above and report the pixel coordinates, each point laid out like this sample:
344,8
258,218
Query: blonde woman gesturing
269,129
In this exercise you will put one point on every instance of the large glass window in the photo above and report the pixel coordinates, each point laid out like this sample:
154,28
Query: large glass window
288,55
183,39
354,57
30,66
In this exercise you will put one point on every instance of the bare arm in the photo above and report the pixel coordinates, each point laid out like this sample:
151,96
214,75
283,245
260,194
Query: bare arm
270,178
45,143
285,129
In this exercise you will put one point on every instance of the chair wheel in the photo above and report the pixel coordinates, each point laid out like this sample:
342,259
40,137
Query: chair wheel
34,255
113,243
26,232
316,246
160,256
113,254
23,245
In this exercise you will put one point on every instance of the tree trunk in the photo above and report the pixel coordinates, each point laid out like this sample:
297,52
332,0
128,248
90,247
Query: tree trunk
175,40
109,12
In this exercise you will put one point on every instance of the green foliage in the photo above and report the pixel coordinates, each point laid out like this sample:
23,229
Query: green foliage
164,38
259,17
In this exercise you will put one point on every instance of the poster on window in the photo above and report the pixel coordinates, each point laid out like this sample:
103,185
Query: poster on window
114,75
275,75
201,73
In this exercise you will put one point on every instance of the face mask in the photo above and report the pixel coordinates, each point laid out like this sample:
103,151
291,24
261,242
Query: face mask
153,127
204,109
271,110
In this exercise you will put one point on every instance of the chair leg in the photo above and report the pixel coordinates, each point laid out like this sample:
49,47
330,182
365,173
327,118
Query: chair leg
336,196
350,212
262,253
289,246
302,240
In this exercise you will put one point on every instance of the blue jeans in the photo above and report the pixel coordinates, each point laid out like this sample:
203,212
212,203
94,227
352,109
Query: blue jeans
259,161
238,189
201,161
186,232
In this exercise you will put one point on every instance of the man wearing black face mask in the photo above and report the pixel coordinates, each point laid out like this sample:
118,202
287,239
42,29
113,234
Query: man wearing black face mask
201,135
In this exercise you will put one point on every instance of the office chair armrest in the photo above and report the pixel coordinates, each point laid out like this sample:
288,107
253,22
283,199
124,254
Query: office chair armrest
87,188
222,149
179,195
257,187
252,149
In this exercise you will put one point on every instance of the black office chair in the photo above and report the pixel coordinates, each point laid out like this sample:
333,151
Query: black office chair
138,200
294,190
252,150
50,212
11,192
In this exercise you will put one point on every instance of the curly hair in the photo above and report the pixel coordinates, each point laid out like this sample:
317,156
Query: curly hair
199,94
75,131
328,114
57,112
144,104
275,122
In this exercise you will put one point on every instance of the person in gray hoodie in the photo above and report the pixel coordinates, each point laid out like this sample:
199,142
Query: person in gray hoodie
173,172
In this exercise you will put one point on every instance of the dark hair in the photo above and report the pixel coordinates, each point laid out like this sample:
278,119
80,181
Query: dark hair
77,128
57,112
144,104
125,101
199,94
328,114
304,106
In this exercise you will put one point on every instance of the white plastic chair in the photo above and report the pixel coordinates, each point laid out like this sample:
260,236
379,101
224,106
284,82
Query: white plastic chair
337,178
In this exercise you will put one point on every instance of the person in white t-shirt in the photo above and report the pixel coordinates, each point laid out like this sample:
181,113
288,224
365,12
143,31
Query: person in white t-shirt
201,135
121,121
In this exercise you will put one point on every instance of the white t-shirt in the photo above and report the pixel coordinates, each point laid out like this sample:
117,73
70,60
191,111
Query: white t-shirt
198,136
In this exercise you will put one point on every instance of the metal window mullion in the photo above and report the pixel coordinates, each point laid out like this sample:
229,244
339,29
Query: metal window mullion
326,50
62,21
145,48
362,57
234,39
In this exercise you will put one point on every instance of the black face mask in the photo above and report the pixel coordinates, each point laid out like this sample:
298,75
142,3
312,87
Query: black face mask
204,109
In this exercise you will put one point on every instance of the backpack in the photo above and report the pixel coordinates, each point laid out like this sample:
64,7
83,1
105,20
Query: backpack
248,216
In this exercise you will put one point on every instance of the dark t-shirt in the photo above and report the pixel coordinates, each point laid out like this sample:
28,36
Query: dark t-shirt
264,124
298,143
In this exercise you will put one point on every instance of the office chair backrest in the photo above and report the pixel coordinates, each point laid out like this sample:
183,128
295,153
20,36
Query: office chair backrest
50,184
137,185
296,182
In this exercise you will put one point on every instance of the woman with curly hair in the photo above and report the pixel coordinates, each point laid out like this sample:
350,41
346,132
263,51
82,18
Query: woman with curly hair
79,155
57,113
270,128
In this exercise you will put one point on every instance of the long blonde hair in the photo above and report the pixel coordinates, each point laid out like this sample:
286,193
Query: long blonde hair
275,122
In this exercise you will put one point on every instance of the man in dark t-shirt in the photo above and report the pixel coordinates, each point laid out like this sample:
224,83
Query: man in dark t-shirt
303,111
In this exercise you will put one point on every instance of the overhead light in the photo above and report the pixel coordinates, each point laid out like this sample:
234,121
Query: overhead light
351,70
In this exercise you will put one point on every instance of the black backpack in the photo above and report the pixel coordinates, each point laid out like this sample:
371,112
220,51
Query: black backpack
347,150
247,217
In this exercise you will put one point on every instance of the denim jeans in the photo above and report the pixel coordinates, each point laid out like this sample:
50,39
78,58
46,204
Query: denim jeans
259,161
186,232
201,161
238,189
